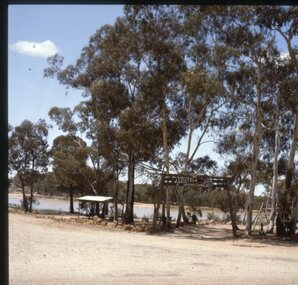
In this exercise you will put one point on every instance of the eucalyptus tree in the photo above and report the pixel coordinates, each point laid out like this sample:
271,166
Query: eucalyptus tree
202,88
239,169
140,134
69,157
203,100
274,144
100,73
249,73
282,20
28,155
126,122
272,119
162,62
95,177
109,72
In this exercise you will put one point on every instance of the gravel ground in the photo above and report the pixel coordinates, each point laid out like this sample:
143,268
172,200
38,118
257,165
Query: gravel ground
45,251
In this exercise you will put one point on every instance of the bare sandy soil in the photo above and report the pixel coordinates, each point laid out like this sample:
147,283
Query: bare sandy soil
45,251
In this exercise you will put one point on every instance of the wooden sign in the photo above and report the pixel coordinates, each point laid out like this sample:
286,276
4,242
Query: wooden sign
205,182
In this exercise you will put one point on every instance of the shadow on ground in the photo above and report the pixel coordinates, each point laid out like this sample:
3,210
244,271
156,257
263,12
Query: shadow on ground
203,232
224,233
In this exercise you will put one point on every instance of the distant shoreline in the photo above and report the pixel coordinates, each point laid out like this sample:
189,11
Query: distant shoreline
18,195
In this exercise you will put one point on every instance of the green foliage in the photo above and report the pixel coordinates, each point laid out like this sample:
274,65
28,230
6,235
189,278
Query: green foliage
28,155
69,155
48,185
63,117
160,74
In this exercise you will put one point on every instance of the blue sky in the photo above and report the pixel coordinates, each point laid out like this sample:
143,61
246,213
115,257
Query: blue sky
34,31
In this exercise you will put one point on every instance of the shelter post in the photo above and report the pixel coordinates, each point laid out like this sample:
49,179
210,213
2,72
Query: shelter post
97,209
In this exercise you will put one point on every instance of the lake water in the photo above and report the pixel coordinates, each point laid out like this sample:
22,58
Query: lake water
139,211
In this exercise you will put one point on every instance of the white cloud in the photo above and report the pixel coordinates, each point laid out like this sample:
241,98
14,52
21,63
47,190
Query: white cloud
43,49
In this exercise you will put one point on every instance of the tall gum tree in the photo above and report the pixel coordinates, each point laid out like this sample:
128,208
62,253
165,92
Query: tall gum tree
100,74
283,21
205,90
140,134
28,155
109,72
248,55
163,63
94,175
69,162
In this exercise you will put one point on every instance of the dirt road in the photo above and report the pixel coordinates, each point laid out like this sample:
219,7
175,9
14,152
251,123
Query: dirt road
44,251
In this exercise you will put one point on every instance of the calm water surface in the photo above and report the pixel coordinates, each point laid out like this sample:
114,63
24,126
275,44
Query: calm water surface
139,211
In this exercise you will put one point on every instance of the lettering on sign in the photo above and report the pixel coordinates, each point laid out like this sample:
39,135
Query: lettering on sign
205,182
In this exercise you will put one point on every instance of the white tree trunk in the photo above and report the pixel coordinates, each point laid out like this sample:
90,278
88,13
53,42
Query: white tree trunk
290,165
287,205
274,181
255,156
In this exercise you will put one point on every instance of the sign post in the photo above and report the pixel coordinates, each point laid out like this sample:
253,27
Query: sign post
206,183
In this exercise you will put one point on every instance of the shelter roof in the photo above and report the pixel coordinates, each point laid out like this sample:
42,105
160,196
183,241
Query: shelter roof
95,198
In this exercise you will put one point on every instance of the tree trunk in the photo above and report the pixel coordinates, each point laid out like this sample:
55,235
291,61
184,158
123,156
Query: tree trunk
182,209
270,227
178,222
256,142
25,202
156,208
166,158
287,216
32,186
235,204
186,163
115,186
295,214
251,193
185,218
163,211
71,209
232,213
122,212
168,220
128,217
31,197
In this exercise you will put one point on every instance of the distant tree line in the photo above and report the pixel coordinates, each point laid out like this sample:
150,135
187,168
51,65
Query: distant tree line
161,74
